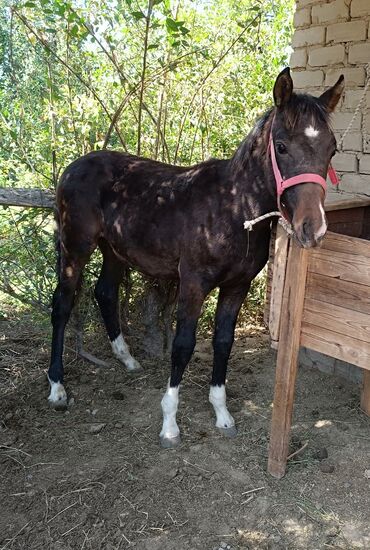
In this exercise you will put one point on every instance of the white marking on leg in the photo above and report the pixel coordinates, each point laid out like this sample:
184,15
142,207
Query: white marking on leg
122,352
217,397
311,132
324,226
57,393
169,405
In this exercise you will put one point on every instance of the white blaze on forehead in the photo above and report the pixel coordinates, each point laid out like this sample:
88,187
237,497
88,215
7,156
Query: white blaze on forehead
311,132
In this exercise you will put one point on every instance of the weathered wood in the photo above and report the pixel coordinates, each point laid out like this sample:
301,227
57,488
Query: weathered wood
346,267
337,319
345,244
287,359
340,346
336,201
34,198
339,293
278,279
365,393
270,271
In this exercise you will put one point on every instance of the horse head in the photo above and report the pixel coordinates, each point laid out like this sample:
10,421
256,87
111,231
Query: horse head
302,145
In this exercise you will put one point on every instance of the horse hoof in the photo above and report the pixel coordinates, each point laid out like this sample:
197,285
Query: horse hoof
58,397
228,432
134,367
137,369
169,442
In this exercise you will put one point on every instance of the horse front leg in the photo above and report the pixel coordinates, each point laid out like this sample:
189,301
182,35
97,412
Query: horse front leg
229,303
191,297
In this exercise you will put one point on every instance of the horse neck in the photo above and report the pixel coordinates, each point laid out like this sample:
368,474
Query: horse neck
251,171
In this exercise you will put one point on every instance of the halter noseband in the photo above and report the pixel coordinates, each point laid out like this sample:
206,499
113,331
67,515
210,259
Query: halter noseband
282,184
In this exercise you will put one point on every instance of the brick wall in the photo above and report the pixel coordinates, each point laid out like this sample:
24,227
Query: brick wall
332,37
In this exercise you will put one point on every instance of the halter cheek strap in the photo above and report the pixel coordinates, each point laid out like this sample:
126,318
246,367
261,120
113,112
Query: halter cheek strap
282,184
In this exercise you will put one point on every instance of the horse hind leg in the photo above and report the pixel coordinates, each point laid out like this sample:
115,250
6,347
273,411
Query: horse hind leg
74,252
107,296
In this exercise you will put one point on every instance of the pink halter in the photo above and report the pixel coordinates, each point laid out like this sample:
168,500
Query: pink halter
282,184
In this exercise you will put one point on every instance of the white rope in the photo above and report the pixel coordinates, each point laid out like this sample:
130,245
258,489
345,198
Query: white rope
358,108
248,224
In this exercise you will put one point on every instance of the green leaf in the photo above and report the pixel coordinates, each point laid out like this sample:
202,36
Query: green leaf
138,15
171,25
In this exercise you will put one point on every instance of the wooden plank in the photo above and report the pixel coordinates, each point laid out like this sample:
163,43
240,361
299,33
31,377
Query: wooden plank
278,279
336,201
346,222
287,359
337,319
270,272
345,267
340,293
35,198
365,393
340,346
345,244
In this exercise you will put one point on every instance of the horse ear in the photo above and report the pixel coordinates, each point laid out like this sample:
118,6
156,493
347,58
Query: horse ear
283,88
331,97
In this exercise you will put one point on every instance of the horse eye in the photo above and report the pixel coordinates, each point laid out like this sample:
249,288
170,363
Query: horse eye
281,149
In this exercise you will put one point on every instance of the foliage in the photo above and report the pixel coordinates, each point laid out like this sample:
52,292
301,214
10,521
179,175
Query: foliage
175,80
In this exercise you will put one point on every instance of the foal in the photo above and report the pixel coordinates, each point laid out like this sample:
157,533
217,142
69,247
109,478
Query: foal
186,224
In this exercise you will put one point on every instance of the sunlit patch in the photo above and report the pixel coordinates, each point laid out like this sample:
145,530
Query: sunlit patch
118,228
323,423
311,132
255,537
69,271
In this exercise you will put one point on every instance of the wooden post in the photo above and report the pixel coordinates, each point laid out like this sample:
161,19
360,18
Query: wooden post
365,393
287,358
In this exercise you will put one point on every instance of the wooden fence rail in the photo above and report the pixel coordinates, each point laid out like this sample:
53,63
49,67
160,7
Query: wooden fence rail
33,197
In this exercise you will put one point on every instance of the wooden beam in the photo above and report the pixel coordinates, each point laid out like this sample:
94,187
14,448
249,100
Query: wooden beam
343,347
338,319
344,266
365,393
33,197
287,359
339,293
278,279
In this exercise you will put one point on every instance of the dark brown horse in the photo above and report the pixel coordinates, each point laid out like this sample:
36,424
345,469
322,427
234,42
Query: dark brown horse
186,224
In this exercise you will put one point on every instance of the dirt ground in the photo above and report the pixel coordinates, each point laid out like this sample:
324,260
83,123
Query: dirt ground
94,477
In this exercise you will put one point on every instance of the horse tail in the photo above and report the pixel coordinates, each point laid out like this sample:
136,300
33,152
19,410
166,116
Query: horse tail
57,242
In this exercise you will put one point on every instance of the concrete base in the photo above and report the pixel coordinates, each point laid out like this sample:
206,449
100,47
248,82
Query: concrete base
329,365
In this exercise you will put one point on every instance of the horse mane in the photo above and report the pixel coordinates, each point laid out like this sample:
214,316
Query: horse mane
256,142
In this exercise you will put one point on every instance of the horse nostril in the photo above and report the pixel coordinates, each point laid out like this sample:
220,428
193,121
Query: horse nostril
306,229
